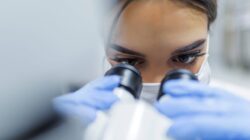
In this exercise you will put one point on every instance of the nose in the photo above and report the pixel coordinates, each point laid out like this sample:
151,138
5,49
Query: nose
153,74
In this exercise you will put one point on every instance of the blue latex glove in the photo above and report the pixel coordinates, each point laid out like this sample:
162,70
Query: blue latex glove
84,103
201,112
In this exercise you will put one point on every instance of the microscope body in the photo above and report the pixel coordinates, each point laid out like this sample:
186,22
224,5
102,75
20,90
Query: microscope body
130,118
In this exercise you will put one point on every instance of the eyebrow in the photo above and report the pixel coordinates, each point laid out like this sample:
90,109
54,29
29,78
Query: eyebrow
192,46
187,48
125,50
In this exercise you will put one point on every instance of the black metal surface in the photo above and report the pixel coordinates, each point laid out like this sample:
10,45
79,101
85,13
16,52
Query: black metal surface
131,79
176,74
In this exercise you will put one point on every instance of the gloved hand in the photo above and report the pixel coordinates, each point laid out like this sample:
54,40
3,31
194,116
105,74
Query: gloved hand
84,103
200,112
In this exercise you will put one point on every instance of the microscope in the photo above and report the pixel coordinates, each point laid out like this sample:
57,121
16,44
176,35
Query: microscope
131,118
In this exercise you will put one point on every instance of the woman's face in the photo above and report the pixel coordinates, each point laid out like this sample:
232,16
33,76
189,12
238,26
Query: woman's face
157,36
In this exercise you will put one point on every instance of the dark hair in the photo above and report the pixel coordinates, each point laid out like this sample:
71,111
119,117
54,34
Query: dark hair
209,7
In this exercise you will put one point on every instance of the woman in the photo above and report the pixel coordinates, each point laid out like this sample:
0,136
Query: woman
157,36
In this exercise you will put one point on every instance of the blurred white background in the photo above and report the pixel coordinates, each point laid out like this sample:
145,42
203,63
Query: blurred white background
47,46
230,44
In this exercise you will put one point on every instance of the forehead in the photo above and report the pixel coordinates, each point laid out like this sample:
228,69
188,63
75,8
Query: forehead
159,23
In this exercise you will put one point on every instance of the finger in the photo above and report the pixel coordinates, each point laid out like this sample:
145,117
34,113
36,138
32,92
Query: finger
100,100
179,107
103,100
182,88
104,83
70,110
210,128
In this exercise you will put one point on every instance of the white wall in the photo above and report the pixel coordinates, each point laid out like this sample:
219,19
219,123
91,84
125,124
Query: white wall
44,46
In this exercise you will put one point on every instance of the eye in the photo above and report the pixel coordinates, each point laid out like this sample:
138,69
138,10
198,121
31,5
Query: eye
186,59
131,61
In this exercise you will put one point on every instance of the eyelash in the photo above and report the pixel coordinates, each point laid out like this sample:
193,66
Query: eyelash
176,59
193,57
131,61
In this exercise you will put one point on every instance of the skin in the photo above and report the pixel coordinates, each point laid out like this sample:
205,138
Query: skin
157,29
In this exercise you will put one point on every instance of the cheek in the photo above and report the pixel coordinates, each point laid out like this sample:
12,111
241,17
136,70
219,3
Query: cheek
195,68
112,63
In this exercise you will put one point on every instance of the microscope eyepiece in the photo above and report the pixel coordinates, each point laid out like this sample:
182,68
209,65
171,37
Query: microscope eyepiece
176,74
131,79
